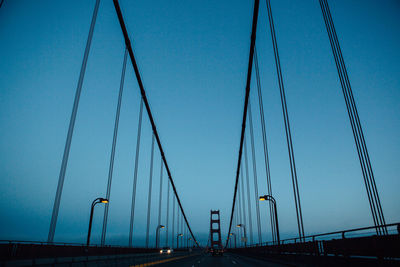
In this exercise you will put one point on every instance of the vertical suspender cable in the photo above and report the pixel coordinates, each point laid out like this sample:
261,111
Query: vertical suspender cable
246,164
366,168
253,157
287,125
239,210
64,163
160,199
150,189
243,202
135,174
265,145
173,222
246,101
114,142
167,223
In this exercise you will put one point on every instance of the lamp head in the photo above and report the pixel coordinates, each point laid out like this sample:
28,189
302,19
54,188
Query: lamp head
262,198
103,200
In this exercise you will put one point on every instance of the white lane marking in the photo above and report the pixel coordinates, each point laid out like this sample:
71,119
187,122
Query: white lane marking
234,262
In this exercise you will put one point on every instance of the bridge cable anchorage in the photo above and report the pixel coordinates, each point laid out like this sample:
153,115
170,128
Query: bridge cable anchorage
135,173
265,144
160,200
114,142
253,157
362,151
167,219
147,106
246,165
246,101
287,125
150,191
64,163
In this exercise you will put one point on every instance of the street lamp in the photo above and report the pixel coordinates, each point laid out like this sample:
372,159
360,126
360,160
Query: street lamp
177,240
245,236
235,237
96,201
157,233
272,199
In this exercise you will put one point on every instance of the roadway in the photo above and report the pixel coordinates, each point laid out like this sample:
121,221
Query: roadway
228,259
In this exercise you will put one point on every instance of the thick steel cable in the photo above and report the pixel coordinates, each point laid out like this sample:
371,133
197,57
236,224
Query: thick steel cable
67,147
167,223
160,200
368,175
246,167
265,144
246,101
114,142
144,97
253,159
135,173
287,125
150,189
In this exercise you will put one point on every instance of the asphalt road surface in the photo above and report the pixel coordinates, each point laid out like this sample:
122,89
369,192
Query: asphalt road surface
207,260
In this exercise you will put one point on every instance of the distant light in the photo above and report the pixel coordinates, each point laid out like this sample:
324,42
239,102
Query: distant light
169,251
161,251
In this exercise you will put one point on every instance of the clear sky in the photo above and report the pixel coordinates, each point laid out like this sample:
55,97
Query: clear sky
193,56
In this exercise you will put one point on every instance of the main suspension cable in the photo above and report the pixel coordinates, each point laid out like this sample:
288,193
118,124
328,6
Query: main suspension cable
246,101
146,103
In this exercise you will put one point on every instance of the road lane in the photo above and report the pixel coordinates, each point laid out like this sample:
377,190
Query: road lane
228,259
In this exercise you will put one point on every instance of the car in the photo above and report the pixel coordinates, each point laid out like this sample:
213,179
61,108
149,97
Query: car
166,250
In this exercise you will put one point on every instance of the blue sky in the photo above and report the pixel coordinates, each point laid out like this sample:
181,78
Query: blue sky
192,56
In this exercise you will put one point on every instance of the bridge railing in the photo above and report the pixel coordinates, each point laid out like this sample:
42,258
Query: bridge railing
354,242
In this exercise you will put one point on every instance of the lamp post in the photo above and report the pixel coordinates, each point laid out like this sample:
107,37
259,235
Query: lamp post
96,201
272,199
177,240
235,237
158,233
245,236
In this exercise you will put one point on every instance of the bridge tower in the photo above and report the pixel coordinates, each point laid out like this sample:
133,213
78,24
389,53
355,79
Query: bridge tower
215,231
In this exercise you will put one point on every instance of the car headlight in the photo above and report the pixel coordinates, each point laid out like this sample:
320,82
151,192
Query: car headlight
160,251
169,251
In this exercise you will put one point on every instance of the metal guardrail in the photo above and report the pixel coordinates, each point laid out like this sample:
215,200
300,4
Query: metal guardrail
365,246
395,228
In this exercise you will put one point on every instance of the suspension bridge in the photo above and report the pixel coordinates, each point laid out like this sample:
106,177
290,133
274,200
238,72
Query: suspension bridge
166,228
